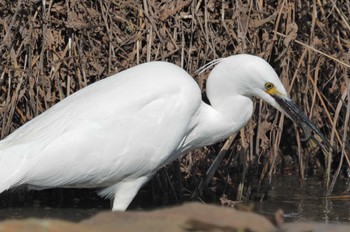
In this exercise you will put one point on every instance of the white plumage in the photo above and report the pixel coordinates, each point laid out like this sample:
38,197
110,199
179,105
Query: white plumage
117,132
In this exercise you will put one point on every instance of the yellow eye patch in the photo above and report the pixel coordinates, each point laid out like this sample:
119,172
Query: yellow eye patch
268,85
270,88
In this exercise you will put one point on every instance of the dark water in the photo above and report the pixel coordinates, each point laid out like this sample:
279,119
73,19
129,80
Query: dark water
67,204
307,203
298,203
69,214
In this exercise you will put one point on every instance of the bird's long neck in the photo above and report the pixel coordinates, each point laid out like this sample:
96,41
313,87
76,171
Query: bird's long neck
227,113
233,113
214,125
226,95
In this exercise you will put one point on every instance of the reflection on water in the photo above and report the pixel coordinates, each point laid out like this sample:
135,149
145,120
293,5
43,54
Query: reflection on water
297,203
67,204
308,203
69,214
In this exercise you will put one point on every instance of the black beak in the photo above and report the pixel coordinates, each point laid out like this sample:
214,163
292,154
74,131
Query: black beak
310,130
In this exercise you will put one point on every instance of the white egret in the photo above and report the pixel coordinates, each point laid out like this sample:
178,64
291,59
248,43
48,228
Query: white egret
116,133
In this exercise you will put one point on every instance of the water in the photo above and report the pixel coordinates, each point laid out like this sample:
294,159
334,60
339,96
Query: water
306,203
68,214
66,204
297,203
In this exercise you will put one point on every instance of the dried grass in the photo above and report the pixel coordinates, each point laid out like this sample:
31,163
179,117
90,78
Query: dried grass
50,49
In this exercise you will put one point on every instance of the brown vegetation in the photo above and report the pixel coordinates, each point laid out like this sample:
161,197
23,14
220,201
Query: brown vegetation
48,51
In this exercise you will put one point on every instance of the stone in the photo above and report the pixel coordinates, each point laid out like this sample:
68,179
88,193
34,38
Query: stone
187,217
47,225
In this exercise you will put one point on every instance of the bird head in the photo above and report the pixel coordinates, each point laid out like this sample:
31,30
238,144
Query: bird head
253,76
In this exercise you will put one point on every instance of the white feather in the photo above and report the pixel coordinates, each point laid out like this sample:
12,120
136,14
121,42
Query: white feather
117,132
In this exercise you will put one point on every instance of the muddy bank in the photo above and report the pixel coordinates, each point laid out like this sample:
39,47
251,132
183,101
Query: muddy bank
188,217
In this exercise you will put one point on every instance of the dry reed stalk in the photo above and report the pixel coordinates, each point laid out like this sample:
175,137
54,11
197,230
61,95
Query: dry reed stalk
344,140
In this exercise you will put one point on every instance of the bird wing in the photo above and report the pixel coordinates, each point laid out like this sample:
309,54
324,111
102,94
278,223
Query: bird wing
122,127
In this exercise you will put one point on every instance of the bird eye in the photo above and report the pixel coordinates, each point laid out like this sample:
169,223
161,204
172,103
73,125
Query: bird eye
268,85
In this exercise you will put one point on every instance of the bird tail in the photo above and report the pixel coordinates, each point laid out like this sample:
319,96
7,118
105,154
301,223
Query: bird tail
108,192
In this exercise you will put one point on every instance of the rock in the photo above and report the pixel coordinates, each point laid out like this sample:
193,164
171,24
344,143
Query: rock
47,225
189,217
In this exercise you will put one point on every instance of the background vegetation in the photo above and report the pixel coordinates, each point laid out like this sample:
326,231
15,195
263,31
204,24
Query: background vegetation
50,49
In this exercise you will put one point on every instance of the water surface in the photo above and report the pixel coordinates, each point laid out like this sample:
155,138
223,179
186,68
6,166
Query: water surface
306,203
297,202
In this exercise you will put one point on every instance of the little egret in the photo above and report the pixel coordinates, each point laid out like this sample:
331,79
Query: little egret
116,133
